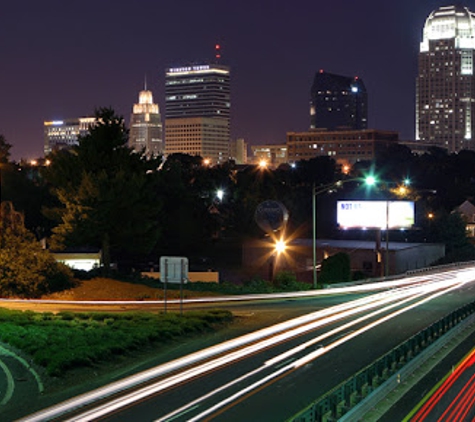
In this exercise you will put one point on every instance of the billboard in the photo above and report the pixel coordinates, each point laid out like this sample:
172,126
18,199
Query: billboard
375,214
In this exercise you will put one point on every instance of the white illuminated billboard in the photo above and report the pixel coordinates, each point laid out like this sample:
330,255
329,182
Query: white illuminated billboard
375,214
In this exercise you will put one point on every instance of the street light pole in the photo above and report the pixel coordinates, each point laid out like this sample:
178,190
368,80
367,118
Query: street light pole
368,180
314,237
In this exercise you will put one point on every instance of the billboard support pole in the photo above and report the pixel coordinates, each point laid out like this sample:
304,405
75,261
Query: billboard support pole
314,236
182,275
165,287
386,260
379,265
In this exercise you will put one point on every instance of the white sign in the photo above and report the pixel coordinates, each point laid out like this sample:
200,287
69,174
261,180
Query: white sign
375,214
173,269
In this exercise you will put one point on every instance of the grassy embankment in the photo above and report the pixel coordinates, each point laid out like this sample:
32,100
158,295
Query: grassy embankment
65,341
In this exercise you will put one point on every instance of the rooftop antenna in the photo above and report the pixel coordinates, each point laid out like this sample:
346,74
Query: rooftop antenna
145,82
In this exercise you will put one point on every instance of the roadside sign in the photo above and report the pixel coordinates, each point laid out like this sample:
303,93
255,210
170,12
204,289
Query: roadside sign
173,269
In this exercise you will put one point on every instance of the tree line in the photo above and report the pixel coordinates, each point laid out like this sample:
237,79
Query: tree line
134,208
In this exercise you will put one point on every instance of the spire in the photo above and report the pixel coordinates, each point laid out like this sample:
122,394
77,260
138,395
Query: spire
145,83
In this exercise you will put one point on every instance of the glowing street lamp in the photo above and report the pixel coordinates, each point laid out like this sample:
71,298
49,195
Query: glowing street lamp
280,246
220,194
263,164
370,180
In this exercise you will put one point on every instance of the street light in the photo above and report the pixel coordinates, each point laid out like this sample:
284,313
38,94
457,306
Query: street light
279,248
369,180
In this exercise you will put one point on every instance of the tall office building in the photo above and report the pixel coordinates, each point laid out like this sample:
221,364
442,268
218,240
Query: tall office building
197,111
445,93
146,126
60,134
338,102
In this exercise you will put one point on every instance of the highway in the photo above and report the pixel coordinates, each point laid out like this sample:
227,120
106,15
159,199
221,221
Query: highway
454,399
277,371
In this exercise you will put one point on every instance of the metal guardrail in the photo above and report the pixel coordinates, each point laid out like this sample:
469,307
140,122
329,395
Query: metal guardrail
407,372
436,268
440,267
340,400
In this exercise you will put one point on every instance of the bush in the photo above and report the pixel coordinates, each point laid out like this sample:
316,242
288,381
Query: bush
257,285
67,340
287,281
336,269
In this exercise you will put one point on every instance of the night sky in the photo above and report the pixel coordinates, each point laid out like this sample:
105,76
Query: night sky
62,59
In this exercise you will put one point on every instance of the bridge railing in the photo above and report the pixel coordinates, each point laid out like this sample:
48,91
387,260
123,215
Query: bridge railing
341,399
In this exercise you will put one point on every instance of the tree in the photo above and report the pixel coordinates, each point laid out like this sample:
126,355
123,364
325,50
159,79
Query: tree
26,270
107,193
188,191
450,229
20,184
4,150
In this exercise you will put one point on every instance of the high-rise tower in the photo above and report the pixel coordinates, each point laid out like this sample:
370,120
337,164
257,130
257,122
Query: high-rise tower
445,93
146,126
197,108
338,102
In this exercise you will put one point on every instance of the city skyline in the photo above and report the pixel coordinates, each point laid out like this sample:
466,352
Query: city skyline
61,62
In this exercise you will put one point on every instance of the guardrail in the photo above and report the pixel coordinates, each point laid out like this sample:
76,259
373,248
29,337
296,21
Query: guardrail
340,400
436,268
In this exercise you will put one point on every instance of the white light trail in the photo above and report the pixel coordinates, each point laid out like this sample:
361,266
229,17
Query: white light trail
232,357
283,356
311,356
263,339
298,349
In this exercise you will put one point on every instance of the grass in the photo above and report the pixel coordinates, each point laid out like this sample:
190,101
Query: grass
65,341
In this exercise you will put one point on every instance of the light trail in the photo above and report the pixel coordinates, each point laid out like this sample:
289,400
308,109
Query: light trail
366,287
264,339
186,375
232,357
143,377
461,405
443,389
284,356
310,357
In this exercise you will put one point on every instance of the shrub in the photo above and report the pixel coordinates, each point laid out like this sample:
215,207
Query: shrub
67,340
336,269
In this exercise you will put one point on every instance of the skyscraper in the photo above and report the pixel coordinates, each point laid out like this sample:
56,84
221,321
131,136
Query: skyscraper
197,110
146,126
338,102
64,134
445,93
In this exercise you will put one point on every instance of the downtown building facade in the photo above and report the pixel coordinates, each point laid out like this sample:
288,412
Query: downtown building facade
64,134
338,102
272,154
197,111
445,86
346,147
146,133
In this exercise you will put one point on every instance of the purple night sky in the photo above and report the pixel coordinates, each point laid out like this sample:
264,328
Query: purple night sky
63,59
